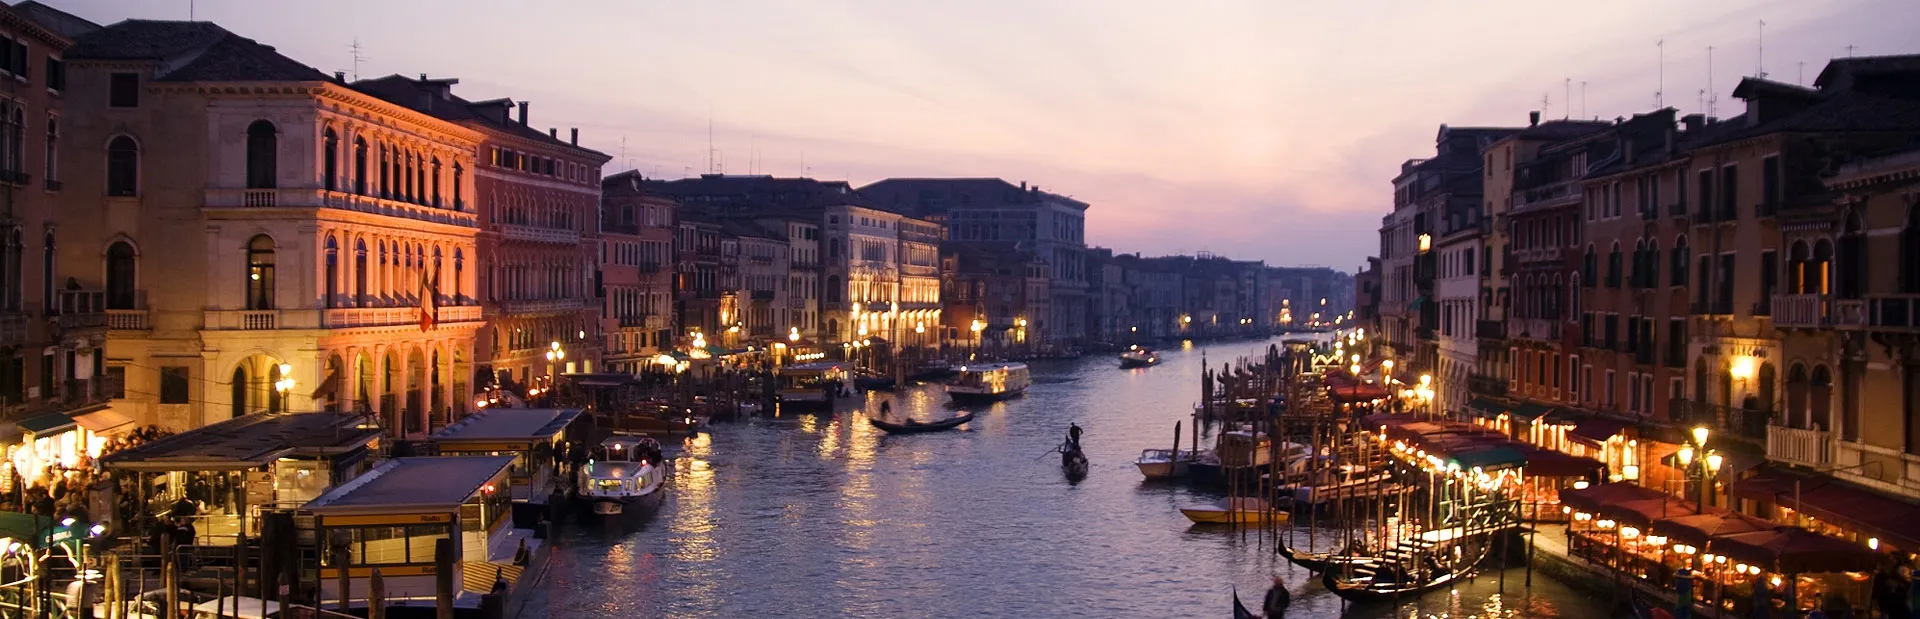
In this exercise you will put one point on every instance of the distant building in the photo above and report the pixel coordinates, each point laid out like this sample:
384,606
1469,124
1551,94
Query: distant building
636,270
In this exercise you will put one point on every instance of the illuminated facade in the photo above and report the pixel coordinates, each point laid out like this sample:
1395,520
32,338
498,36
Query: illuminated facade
636,271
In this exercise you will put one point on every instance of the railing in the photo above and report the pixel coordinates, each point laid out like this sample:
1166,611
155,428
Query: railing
633,322
15,177
1812,448
1742,424
763,295
1534,328
351,317
649,267
127,320
1537,254
54,185
804,264
81,309
1900,312
321,198
1556,194
537,234
797,302
1490,330
542,306
261,320
1849,313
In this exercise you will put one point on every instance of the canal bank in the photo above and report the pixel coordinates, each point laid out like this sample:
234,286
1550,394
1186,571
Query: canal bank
821,515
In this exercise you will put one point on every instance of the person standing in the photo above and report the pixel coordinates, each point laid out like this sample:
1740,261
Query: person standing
1275,606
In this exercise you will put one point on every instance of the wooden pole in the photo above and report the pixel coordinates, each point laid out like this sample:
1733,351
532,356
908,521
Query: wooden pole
340,558
169,571
376,596
443,577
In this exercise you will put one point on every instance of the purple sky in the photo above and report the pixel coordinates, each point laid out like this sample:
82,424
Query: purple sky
1258,129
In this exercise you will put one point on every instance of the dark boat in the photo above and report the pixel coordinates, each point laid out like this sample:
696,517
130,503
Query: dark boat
1319,561
1073,461
871,381
916,427
1240,610
1405,571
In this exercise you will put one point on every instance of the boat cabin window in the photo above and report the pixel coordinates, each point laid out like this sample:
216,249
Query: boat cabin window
388,545
486,510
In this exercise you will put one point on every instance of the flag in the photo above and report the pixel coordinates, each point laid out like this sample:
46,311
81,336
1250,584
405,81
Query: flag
429,299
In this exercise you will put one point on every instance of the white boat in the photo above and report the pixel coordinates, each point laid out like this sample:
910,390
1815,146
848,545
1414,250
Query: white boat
625,476
989,381
1137,357
1165,464
809,383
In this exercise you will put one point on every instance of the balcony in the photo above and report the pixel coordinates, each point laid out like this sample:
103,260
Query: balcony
1746,425
13,328
1880,312
54,185
537,234
246,320
82,309
796,302
320,198
356,317
542,306
1486,385
1537,255
1490,330
15,177
1562,193
127,320
1534,329
763,295
634,322
649,267
803,264
1813,448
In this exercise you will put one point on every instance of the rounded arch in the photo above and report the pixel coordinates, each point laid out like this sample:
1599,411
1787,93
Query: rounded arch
122,274
1767,382
123,166
1797,386
260,272
1820,398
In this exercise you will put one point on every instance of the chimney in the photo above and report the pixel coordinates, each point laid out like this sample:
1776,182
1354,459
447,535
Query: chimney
576,137
340,76
553,132
1533,118
1023,185
423,77
523,112
1693,122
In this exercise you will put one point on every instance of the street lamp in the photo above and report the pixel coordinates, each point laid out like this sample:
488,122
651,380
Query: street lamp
1710,462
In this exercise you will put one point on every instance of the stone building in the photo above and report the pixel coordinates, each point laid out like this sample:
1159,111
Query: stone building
636,271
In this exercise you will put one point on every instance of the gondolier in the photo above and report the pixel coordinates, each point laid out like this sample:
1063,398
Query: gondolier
1275,606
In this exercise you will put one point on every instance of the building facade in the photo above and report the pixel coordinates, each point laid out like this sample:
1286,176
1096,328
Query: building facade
636,271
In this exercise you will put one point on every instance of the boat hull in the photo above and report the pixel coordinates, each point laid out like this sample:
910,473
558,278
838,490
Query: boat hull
632,505
978,396
918,428
1215,515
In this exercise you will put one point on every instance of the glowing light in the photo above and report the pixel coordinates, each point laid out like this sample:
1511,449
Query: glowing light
1685,455
1580,485
1873,543
1742,368
1713,462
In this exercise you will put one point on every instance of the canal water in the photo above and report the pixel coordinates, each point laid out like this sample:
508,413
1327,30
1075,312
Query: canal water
822,515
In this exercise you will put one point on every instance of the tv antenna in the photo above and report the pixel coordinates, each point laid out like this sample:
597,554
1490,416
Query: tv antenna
1713,96
357,57
1660,93
710,150
1583,98
1760,55
1568,113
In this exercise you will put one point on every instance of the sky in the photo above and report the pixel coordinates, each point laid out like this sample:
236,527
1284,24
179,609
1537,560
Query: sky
1266,129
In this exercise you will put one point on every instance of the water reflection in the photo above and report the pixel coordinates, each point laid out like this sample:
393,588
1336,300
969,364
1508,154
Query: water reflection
823,515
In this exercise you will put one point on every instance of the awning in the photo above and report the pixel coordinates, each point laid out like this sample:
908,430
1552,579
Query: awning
1821,496
1794,550
1698,529
327,386
1531,411
1597,431
1643,512
1544,463
103,421
1595,498
50,423
1351,392
1490,459
1486,406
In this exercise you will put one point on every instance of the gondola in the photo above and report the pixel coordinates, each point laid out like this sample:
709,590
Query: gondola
1319,561
1073,461
916,427
1366,591
1363,584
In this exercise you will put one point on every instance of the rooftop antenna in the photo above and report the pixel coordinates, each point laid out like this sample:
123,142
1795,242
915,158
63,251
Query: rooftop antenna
1546,101
189,10
1583,98
1568,113
1849,51
1713,96
1660,94
623,148
710,150
1801,77
357,58
1760,55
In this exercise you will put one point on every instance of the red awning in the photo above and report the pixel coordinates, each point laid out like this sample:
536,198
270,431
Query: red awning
1594,498
1644,512
1699,529
1543,463
1832,500
1351,392
1794,550
1597,431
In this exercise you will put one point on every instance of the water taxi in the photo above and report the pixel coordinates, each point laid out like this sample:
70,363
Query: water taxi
989,381
1165,463
625,476
810,383
1137,357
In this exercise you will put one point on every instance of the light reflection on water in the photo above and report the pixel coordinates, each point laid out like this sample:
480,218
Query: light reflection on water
814,515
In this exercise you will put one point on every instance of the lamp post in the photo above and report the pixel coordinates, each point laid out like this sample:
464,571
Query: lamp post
976,327
1709,468
284,386
1022,334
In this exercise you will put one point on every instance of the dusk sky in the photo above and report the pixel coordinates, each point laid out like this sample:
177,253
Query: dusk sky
1260,130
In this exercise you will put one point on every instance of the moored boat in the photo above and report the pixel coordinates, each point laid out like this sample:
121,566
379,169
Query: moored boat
1414,566
1165,463
1138,357
916,427
625,476
814,383
1242,510
989,382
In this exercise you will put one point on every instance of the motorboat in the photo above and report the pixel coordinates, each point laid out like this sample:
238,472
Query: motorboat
1166,463
989,382
1138,357
814,383
934,369
1241,510
626,475
916,427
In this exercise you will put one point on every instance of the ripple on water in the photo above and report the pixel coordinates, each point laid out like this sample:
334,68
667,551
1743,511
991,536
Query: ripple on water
825,516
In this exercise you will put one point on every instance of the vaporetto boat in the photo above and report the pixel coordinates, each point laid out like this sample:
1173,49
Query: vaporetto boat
627,475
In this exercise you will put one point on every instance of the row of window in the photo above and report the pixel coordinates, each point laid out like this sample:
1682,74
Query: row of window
545,166
403,174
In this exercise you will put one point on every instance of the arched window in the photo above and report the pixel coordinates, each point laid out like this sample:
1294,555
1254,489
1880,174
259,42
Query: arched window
360,166
121,275
1797,260
275,402
332,164
834,248
360,273
459,275
1797,396
1652,272
1853,254
48,291
1820,406
434,277
1820,270
260,273
406,185
459,176
123,167
1766,380
1678,268
386,171
1613,266
833,288
1590,265
434,182
263,155
13,272
333,272
238,390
